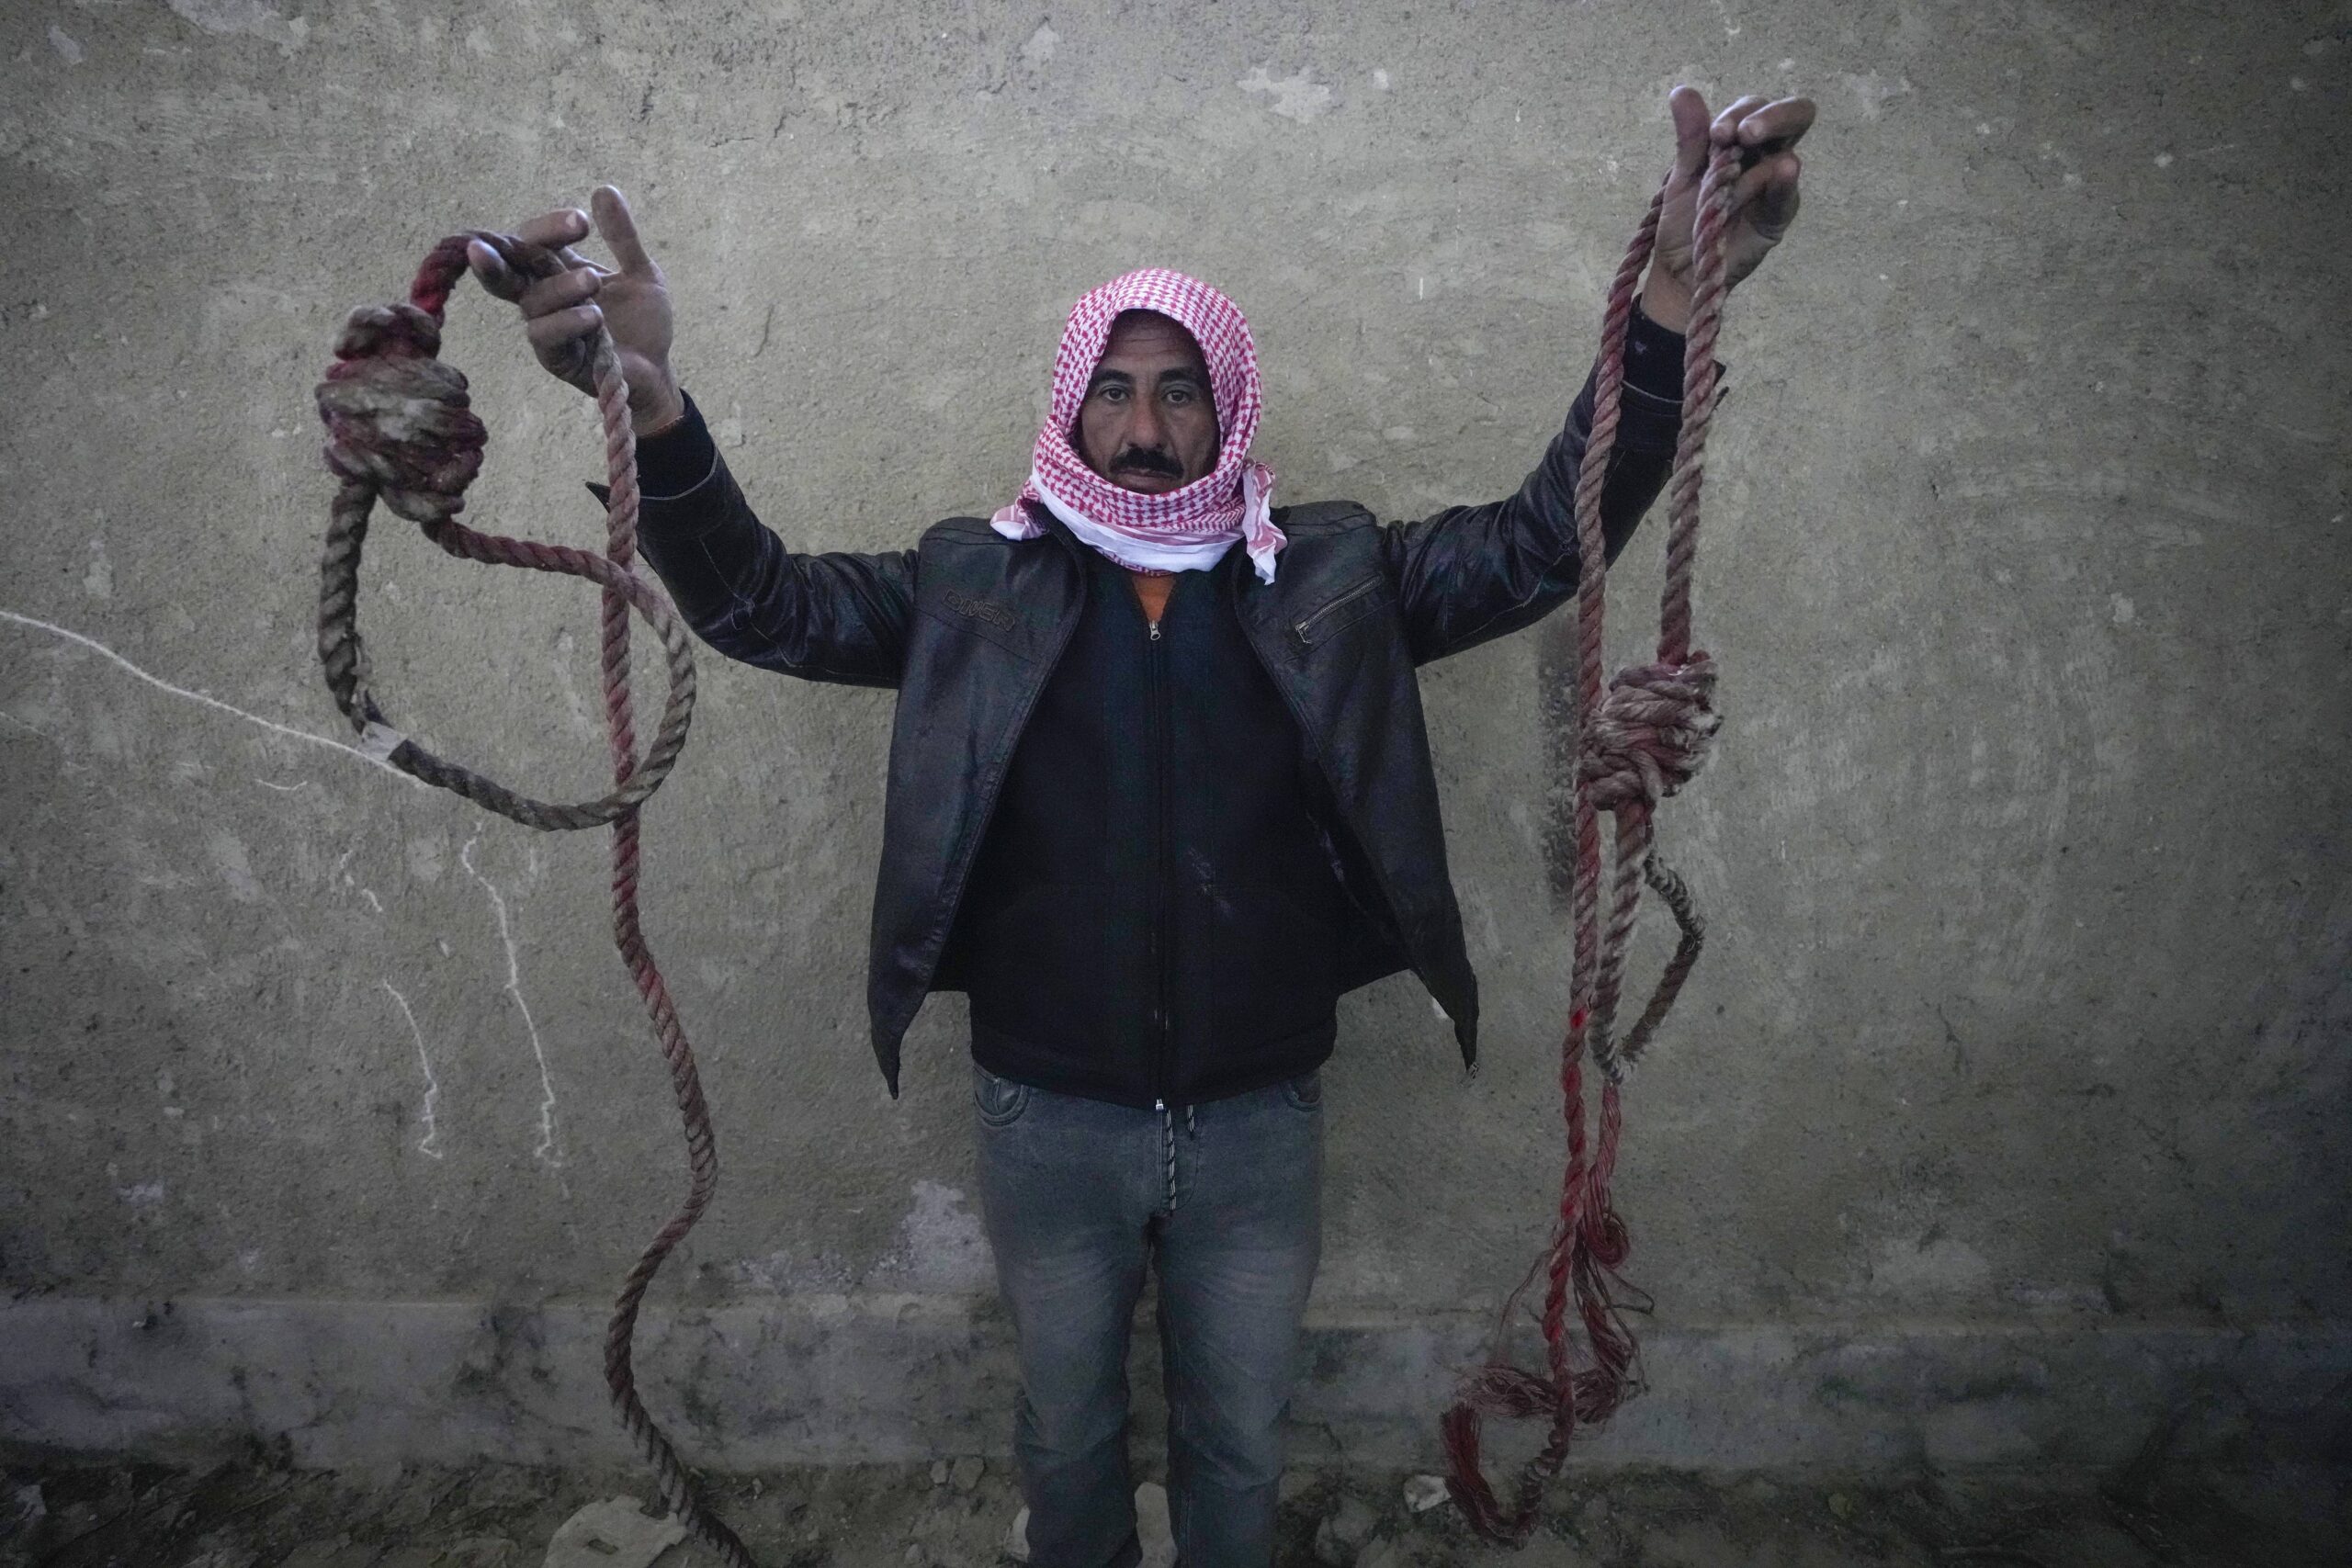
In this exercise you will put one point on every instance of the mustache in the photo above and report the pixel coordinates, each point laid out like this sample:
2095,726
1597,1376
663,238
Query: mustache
1148,460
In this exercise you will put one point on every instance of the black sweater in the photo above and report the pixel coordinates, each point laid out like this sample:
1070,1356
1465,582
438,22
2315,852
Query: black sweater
1154,914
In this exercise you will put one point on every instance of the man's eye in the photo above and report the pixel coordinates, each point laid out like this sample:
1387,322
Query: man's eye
1109,394
1179,395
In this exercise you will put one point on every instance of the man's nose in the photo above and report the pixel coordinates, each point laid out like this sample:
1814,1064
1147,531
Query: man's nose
1148,427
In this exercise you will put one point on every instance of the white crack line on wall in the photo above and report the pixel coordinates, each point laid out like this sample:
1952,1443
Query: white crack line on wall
545,1153
352,881
94,646
432,1084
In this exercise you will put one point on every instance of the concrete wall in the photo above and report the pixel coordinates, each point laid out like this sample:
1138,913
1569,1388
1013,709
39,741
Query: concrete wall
2015,1075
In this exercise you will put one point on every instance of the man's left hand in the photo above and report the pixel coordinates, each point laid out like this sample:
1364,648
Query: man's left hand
1763,198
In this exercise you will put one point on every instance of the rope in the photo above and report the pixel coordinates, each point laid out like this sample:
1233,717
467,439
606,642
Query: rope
399,430
1638,740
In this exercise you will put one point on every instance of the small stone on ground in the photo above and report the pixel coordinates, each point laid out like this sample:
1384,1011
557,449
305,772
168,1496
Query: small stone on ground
613,1533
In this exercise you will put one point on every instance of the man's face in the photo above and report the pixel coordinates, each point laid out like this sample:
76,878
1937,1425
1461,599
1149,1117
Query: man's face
1149,424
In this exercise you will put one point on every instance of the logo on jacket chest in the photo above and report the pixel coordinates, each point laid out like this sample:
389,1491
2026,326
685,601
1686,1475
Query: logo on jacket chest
988,612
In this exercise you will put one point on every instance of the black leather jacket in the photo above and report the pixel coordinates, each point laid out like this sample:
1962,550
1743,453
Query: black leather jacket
968,625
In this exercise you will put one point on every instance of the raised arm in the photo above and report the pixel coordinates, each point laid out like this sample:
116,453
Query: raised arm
828,618
836,617
1474,572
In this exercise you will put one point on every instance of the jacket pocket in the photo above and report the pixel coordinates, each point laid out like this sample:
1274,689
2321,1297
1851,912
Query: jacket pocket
1339,612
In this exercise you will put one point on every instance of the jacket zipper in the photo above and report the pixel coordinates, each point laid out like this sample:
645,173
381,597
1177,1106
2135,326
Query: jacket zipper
1300,628
1156,667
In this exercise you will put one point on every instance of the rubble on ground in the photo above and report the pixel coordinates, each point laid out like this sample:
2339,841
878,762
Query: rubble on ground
964,1512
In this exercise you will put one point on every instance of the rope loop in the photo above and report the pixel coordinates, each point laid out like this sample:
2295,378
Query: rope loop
400,429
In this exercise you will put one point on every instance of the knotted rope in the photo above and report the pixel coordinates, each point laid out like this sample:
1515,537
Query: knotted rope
399,429
1638,741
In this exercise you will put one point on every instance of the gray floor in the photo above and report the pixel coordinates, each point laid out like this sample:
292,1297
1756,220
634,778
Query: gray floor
57,1513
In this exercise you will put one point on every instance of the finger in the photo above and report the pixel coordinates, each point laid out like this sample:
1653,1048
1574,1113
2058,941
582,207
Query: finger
553,230
1763,175
492,270
1726,127
1776,201
560,292
1689,111
1778,125
1766,195
619,227
553,331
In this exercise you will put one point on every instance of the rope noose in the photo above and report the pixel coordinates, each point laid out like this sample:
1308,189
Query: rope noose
399,429
1638,740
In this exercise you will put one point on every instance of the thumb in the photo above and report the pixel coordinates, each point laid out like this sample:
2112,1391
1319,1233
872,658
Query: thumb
1775,202
1690,146
618,228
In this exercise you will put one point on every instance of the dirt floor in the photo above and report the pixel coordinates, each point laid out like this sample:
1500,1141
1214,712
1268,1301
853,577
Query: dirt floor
75,1513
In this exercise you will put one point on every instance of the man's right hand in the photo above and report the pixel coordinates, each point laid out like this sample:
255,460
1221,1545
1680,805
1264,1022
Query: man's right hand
561,313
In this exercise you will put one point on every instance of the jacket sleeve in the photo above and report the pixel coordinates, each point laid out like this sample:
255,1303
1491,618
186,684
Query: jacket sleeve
837,616
1473,573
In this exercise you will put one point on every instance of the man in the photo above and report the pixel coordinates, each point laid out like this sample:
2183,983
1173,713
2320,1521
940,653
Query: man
1159,794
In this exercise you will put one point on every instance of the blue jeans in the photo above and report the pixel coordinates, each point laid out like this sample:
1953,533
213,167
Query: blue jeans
1079,1196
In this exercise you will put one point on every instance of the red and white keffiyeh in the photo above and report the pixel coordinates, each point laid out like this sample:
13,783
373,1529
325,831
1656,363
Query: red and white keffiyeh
1184,530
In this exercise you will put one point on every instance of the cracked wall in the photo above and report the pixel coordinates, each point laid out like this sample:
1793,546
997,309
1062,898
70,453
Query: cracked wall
2025,1007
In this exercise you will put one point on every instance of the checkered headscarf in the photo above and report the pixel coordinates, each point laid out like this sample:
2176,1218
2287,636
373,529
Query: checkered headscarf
1184,530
